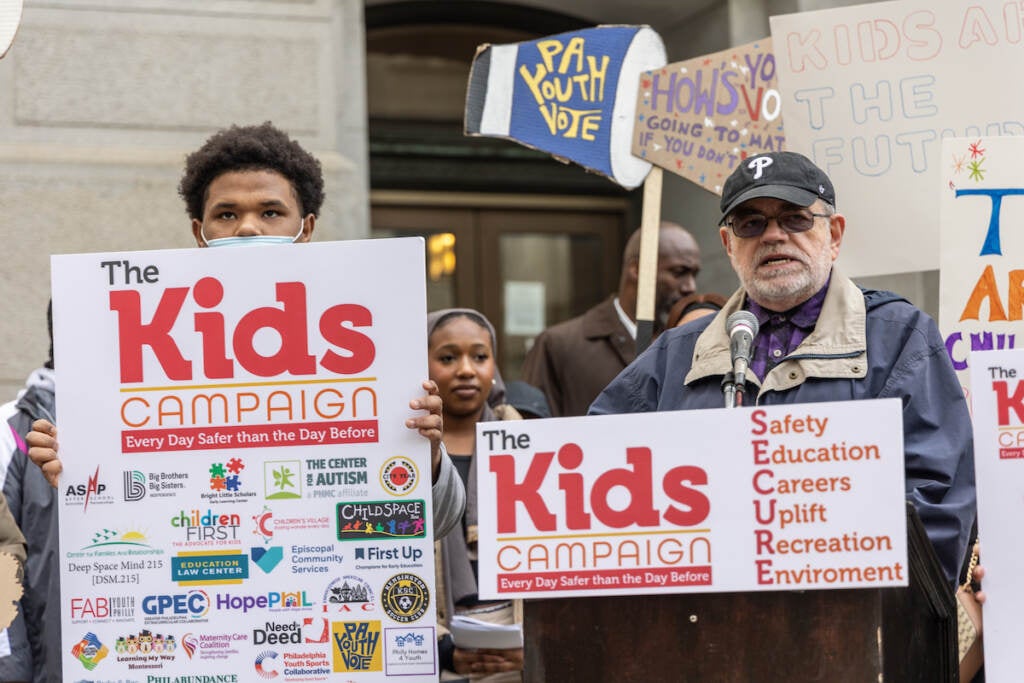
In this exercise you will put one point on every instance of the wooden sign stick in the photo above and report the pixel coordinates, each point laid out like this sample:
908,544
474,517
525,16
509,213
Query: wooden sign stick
646,284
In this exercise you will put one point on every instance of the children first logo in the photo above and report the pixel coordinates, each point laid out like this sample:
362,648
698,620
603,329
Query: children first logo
254,380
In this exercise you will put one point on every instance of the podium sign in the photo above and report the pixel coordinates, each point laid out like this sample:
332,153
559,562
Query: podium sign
768,498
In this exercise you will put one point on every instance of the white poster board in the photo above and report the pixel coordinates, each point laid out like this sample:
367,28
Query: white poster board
869,92
240,496
982,205
998,415
775,498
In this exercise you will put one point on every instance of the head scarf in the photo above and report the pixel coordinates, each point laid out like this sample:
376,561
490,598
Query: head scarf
456,572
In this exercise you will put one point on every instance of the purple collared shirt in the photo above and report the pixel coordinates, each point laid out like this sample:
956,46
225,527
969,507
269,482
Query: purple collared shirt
780,333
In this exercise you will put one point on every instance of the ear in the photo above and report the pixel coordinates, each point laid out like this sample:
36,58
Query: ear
724,233
197,232
837,226
308,224
633,270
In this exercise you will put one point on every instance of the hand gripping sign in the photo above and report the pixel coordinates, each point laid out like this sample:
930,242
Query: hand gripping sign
10,17
572,95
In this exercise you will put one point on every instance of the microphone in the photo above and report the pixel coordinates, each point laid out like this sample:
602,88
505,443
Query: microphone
742,326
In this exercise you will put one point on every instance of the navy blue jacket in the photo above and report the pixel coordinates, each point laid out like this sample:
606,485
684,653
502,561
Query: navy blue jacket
866,344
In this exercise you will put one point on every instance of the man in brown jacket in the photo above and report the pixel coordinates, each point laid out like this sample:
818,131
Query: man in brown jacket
571,362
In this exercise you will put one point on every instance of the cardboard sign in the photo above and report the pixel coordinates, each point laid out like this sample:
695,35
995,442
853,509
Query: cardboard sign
869,92
774,498
701,117
982,203
10,17
572,95
240,495
998,415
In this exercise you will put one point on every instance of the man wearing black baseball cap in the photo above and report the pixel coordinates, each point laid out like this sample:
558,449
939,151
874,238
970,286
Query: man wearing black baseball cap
821,338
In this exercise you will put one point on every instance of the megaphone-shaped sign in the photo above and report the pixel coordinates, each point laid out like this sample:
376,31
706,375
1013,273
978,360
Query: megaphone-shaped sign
572,95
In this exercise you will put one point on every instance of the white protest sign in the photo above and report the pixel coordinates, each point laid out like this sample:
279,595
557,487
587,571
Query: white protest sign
980,301
998,415
240,496
869,92
771,498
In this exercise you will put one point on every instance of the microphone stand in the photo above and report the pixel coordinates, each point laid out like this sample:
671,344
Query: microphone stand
729,389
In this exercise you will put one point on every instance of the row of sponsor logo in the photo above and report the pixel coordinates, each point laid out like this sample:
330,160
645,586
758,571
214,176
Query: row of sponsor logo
232,481
215,528
308,650
403,598
202,568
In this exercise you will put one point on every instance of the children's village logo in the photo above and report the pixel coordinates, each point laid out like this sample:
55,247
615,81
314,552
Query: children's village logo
89,651
381,519
91,492
282,479
399,475
405,598
264,524
357,646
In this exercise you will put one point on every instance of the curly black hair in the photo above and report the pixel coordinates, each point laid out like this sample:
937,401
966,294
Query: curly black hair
251,148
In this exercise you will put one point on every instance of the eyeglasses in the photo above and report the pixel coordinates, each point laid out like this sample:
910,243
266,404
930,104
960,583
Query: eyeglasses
754,224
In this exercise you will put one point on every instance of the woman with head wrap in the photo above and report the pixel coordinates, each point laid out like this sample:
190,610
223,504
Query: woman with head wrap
461,353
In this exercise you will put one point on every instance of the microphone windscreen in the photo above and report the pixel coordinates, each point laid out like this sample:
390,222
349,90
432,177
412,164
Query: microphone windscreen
742,319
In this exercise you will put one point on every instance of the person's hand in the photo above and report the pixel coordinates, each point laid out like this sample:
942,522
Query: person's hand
487,661
42,450
429,425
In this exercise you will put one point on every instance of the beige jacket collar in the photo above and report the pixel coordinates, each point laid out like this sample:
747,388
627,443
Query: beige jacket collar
836,348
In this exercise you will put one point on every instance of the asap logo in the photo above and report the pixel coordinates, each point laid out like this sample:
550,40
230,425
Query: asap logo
350,351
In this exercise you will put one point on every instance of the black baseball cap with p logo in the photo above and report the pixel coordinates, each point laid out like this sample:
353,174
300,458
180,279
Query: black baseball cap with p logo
787,176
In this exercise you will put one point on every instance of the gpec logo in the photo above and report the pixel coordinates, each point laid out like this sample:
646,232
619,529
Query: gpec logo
195,603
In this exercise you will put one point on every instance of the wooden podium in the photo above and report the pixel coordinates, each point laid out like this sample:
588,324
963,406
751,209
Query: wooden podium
858,635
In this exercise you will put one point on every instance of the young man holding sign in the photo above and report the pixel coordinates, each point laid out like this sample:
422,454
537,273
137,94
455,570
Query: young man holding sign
821,339
253,185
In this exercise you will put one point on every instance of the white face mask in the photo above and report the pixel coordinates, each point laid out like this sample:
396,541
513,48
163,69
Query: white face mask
252,240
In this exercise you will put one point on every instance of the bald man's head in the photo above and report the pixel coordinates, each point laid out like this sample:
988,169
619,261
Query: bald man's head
678,265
